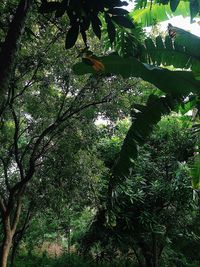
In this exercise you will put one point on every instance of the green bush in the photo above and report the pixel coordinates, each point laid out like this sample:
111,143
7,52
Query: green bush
66,261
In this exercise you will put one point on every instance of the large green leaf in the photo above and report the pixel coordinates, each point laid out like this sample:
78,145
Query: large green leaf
194,8
195,173
189,41
182,53
174,4
157,13
158,7
173,82
144,118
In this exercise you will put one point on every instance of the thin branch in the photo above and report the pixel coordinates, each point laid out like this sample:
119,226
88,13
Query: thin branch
16,149
27,147
65,116
47,131
5,167
31,81
62,103
2,205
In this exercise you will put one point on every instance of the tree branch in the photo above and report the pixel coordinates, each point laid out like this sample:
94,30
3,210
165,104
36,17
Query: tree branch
10,47
16,149
5,166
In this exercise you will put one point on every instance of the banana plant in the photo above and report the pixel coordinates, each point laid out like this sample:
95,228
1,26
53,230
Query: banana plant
182,52
194,5
180,48
154,13
174,84
195,173
144,118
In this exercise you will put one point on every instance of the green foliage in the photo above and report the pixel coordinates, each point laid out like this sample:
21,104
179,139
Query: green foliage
194,6
178,54
51,144
155,201
195,173
174,82
66,261
144,118
155,12
82,14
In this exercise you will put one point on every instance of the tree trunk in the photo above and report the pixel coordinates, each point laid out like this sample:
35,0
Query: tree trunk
13,254
17,237
10,226
155,250
9,49
149,262
145,255
6,249
139,255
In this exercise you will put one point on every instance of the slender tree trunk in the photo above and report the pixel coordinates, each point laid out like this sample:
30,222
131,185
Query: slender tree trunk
155,250
145,253
69,240
148,258
17,237
10,227
10,47
149,262
13,253
7,241
6,249
139,256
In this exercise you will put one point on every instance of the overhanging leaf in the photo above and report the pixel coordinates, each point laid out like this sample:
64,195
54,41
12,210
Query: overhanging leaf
118,11
173,82
110,28
195,173
71,36
96,26
156,13
183,52
174,4
142,126
123,21
194,8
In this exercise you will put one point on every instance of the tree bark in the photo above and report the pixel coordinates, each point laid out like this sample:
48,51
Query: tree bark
10,227
155,250
10,47
6,249
139,256
17,237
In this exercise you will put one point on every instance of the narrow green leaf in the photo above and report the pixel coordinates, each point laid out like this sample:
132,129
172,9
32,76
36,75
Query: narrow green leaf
84,36
123,21
118,11
96,26
174,4
110,28
195,173
72,36
194,8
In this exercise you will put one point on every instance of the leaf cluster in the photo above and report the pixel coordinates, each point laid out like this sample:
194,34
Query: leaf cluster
82,14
